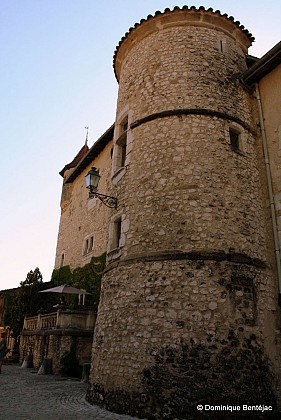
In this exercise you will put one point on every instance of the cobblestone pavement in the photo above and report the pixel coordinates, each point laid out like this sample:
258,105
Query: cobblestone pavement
26,395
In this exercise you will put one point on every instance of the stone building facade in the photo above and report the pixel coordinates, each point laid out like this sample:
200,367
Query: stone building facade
189,308
83,224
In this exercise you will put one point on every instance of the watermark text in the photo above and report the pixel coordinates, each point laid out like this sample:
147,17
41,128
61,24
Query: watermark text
232,408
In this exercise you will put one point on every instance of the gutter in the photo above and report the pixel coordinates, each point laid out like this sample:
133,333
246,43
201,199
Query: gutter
270,190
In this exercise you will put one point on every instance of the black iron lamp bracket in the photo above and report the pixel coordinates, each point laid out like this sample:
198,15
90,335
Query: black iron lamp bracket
109,201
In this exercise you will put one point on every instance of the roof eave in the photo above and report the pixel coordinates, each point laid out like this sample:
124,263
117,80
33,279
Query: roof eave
264,65
192,9
94,151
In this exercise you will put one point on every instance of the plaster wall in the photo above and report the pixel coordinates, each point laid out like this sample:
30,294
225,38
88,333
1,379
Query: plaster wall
82,218
270,92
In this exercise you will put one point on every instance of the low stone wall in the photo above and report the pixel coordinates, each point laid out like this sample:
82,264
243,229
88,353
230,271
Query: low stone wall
54,344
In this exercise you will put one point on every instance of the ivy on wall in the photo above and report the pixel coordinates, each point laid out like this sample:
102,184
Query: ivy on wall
62,275
87,277
26,299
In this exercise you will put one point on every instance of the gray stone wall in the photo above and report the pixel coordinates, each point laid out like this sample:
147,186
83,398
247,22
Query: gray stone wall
54,345
188,334
178,67
189,190
184,184
183,316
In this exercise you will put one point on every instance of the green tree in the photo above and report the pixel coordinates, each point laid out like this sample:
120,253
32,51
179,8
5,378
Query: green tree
27,300
33,278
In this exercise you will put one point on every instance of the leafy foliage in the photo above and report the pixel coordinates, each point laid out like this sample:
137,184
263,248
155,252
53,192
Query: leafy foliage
62,276
87,277
26,300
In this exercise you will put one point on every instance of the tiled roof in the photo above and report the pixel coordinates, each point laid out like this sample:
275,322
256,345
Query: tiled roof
184,8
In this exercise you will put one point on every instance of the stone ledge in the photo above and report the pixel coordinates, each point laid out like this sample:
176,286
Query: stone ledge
233,257
192,111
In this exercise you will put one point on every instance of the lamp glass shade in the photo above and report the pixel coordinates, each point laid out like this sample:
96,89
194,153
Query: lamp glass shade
92,178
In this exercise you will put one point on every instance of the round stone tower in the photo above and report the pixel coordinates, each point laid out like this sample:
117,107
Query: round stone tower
187,291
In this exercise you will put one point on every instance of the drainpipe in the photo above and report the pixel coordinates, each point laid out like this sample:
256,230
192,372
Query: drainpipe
270,191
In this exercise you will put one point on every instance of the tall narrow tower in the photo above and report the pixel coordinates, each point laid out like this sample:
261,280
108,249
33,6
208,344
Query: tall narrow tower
185,316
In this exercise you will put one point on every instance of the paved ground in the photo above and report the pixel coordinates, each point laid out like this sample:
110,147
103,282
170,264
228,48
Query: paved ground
26,395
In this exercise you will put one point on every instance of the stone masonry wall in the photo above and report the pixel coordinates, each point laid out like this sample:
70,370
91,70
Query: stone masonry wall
185,306
164,355
189,190
183,72
183,165
54,345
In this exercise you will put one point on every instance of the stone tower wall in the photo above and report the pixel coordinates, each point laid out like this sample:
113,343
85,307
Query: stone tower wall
178,161
184,307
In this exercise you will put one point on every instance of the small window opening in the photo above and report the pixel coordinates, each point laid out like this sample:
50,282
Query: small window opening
88,245
124,125
234,136
122,144
91,244
123,153
222,45
62,260
116,233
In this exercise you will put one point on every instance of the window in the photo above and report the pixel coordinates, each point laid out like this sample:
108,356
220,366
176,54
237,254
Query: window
88,245
116,234
91,244
123,154
235,140
124,125
118,228
222,45
121,144
62,260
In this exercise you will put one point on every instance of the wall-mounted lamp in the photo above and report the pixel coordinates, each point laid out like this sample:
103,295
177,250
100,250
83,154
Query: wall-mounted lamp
92,181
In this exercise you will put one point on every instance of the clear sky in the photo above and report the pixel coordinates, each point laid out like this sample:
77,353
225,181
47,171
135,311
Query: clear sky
56,77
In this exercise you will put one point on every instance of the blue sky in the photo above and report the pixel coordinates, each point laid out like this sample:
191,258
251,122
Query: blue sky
56,77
